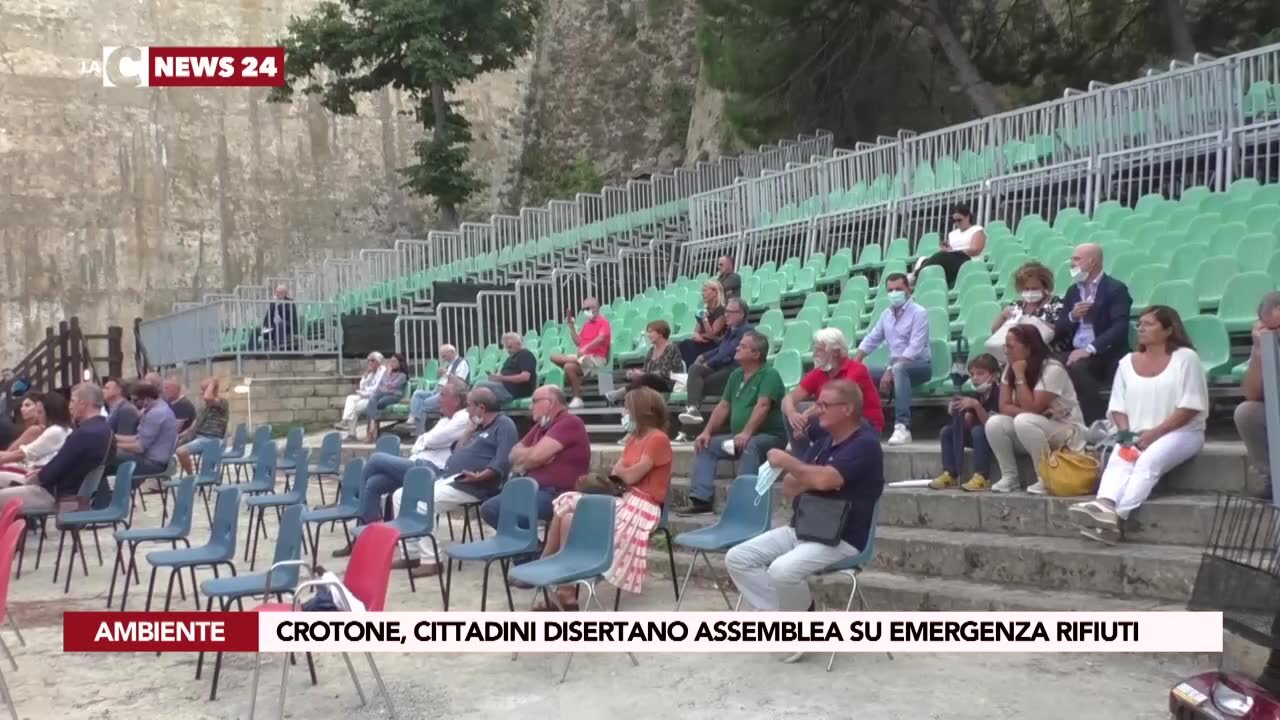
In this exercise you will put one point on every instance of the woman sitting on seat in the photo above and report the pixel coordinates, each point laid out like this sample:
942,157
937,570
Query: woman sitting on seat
50,414
645,468
711,324
1161,396
1038,408
966,241
1036,305
663,360
389,392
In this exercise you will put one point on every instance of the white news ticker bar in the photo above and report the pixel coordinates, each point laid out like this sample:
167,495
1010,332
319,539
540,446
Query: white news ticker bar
668,632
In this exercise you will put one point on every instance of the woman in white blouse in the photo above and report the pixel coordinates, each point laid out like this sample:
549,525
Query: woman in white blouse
359,400
1160,395
966,240
47,411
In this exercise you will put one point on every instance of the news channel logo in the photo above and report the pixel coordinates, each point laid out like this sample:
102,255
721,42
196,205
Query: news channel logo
124,66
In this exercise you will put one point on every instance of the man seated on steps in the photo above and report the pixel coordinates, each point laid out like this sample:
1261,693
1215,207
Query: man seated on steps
752,402
473,472
592,343
904,327
519,373
1094,331
1251,415
843,462
708,374
384,472
555,453
427,402
831,361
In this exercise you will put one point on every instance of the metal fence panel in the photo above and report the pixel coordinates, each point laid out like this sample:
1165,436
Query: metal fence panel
460,325
933,160
1256,86
1164,169
499,313
1255,152
719,212
1042,192
931,212
854,229
417,338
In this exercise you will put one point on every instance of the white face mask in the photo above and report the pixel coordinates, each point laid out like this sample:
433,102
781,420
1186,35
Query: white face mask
1032,296
1078,273
545,421
983,387
628,426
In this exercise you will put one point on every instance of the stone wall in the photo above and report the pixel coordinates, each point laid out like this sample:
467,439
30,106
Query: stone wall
284,393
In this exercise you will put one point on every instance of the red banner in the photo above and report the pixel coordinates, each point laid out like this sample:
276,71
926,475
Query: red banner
159,632
215,66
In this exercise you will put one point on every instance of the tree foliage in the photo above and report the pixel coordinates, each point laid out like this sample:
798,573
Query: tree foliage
867,67
424,48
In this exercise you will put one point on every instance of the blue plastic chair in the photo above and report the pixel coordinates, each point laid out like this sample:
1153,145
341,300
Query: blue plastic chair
173,533
261,439
208,475
412,524
517,500
113,515
347,509
88,488
297,495
389,444
288,457
219,550
587,554
239,439
329,461
743,519
851,568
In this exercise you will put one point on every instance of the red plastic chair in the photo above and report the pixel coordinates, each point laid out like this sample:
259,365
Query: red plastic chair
8,548
368,576
8,514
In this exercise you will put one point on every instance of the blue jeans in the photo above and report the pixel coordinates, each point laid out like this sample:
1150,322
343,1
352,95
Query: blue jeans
703,483
195,447
380,401
489,508
954,439
905,375
383,474
422,404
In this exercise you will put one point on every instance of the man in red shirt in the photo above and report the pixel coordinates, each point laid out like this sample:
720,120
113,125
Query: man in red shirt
831,361
593,348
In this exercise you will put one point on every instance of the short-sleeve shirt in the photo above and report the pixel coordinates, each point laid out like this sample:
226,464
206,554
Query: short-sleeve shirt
1149,401
488,447
574,459
1065,407
595,327
521,361
657,446
857,373
123,418
742,396
184,412
859,461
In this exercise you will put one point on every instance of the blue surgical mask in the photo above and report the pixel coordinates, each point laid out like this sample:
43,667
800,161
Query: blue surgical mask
897,298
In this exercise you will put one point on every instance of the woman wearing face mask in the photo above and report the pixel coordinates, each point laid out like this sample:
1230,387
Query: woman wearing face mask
1036,305
966,240
645,468
969,417
1038,408
50,414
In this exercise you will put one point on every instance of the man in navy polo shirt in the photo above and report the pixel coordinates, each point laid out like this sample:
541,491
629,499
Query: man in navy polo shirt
843,461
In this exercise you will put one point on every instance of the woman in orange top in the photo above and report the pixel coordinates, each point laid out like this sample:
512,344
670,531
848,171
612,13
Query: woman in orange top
645,467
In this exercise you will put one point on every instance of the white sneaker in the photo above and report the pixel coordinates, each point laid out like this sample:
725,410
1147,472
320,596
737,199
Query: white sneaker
691,416
1005,484
901,435
575,404
1038,489
681,439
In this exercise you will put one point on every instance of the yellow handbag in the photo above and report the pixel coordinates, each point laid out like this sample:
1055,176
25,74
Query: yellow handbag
1067,473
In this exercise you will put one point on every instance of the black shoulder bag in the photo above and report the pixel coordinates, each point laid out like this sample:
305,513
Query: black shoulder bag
821,519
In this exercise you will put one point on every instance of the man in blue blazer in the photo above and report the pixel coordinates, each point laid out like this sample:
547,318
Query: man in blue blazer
1094,332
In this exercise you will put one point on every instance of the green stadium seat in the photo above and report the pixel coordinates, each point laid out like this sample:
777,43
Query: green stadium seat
939,323
877,309
1193,195
1030,223
1145,238
771,325
1239,307
857,282
1273,267
816,300
927,245
1237,209
770,294
802,283
1143,281
852,305
817,261
1212,343
845,324
1243,188
870,258
790,367
813,316
977,295
977,326
838,268
1177,294
939,382
1148,204
1123,265
1184,262
798,336
1211,277
932,299
1262,218
1214,202
1068,217
929,281
899,249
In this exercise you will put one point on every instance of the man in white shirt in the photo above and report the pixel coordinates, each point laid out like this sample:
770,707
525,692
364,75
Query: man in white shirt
427,402
1251,414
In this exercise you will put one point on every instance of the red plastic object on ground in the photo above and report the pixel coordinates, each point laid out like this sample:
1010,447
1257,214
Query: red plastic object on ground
1216,695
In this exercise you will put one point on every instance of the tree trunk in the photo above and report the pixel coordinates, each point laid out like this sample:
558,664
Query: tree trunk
986,99
1180,42
440,135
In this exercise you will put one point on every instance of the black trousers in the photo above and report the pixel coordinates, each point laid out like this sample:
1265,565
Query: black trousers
950,262
704,380
652,380
1090,377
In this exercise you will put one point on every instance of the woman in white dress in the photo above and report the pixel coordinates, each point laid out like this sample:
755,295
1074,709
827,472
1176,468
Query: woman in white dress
47,411
966,240
1160,394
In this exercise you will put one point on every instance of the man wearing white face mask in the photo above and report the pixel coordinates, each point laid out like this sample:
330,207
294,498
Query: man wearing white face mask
1093,334
831,361
592,342
904,327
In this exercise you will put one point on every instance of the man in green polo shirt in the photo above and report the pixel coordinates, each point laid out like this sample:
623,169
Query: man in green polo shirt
752,403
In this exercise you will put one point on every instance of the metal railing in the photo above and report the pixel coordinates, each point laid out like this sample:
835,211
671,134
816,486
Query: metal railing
242,327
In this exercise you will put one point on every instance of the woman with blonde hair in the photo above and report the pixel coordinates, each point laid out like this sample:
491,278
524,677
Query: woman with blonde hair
645,470
710,326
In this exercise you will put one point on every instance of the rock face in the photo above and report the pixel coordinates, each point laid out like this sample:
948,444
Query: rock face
115,203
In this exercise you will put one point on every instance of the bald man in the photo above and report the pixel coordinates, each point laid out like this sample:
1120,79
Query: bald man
281,320
1093,332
